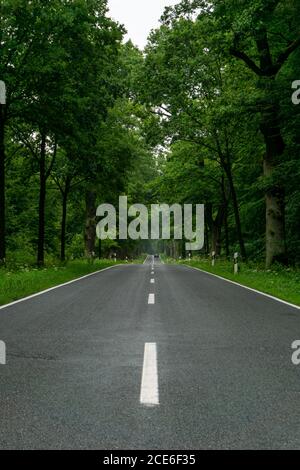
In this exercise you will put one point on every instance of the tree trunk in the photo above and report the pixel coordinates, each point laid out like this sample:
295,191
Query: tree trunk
270,128
276,249
216,242
227,251
206,237
63,228
226,200
2,189
236,209
65,195
99,249
42,201
90,225
215,226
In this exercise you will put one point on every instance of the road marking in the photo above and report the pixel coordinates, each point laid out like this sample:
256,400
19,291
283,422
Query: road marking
152,272
58,287
149,386
151,299
152,281
245,287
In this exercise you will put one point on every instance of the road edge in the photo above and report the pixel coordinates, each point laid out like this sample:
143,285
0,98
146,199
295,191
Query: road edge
10,304
245,287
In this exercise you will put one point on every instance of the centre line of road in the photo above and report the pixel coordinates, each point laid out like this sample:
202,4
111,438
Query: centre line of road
152,281
151,299
149,386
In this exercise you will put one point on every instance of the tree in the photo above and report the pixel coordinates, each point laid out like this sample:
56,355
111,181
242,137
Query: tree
184,82
63,53
264,36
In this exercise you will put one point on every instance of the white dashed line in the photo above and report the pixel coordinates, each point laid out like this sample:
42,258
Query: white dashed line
152,281
149,386
151,299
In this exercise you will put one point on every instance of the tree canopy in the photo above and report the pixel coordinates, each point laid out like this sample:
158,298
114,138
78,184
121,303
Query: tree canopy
203,115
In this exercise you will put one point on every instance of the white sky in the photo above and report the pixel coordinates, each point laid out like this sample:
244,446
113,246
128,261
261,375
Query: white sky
138,16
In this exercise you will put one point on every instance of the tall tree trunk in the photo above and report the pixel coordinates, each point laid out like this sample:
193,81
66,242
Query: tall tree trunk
90,225
206,237
99,249
42,201
236,209
271,130
182,248
227,251
227,167
215,226
276,249
63,228
2,189
65,195
226,200
216,235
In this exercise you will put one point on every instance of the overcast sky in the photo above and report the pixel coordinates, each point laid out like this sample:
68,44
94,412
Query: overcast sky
139,16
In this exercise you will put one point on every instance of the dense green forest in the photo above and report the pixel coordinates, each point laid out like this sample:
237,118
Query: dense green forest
203,115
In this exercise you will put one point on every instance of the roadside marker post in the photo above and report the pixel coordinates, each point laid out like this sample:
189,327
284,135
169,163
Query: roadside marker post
236,263
2,353
2,93
213,258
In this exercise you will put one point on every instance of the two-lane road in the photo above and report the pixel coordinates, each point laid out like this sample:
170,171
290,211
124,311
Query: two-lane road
149,356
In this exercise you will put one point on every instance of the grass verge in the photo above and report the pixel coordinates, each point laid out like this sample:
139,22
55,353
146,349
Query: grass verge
280,282
15,285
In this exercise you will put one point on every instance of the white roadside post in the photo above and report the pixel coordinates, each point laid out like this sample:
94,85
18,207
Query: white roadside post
2,353
115,257
190,256
126,259
213,258
236,263
2,93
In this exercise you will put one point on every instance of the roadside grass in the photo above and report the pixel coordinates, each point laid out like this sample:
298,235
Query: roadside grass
17,283
279,281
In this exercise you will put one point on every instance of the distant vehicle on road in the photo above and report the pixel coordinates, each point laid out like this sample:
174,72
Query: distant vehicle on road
156,256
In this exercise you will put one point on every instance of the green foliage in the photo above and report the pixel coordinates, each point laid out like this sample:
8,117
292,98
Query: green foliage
214,109
181,123
70,82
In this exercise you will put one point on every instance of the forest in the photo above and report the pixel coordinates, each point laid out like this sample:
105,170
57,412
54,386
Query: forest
207,113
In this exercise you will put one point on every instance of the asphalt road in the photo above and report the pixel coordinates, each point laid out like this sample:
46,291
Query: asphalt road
205,365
